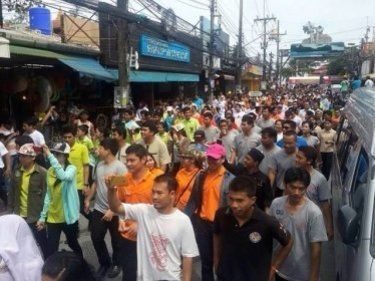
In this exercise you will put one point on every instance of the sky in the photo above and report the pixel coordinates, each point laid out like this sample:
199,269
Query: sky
344,20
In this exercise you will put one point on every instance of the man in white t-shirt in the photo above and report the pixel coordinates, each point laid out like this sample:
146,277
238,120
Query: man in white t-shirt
369,83
166,242
29,128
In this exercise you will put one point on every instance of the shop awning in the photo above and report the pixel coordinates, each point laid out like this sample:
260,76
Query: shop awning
158,77
88,66
85,65
34,52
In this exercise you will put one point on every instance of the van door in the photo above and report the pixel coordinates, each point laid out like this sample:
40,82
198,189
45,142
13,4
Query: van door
353,256
348,148
357,253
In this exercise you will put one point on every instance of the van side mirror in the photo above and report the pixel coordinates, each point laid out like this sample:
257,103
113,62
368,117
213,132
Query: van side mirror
348,224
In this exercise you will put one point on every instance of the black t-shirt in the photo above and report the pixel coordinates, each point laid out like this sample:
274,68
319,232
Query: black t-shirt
264,191
246,251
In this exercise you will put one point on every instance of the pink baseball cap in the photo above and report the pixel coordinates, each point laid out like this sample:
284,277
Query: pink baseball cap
216,151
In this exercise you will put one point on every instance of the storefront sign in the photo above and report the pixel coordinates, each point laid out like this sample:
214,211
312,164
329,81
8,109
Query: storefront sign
154,47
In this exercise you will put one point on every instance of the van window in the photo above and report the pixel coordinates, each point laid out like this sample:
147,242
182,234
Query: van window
359,187
348,159
343,135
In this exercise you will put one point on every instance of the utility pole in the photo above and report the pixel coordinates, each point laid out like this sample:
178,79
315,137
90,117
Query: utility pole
367,34
270,67
211,50
122,52
265,20
239,50
277,39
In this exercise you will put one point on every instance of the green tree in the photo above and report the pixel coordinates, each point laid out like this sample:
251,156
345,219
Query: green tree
349,62
337,66
287,72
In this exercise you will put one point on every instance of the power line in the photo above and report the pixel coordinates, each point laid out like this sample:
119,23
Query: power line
226,18
199,2
192,6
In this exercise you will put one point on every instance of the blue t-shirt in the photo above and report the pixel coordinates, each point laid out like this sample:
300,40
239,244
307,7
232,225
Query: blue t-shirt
300,142
356,84
198,102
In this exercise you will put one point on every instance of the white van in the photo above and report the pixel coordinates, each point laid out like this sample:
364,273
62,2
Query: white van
353,189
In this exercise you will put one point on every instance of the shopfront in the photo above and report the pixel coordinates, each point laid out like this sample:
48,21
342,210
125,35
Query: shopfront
40,73
251,77
169,63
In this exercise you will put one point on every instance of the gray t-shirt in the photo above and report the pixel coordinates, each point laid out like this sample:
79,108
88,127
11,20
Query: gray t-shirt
227,142
306,226
243,144
257,129
280,162
268,154
318,190
263,123
211,133
102,170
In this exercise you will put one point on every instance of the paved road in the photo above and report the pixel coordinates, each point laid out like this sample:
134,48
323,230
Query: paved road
327,268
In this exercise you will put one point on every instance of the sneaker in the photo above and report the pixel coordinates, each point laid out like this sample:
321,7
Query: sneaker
102,270
113,271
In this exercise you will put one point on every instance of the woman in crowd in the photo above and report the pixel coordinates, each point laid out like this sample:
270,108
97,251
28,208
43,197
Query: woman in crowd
311,140
151,165
61,204
191,164
180,142
279,129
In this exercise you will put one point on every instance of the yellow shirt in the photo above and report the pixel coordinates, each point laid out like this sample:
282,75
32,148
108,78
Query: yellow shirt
86,141
79,157
55,210
25,190
191,125
164,137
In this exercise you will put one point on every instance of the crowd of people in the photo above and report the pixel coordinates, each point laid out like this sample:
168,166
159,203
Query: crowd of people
241,182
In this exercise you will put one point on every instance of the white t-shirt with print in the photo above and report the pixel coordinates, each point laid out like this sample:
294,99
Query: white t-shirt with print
161,242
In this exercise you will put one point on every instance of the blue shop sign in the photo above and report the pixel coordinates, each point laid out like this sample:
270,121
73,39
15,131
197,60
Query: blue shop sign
154,47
